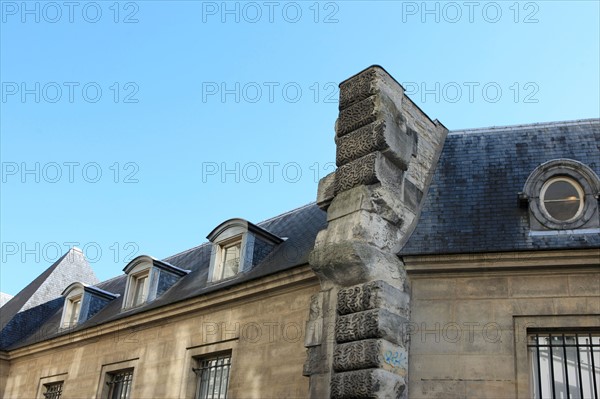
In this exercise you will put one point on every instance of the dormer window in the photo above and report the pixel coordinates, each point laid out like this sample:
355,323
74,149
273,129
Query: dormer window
562,195
82,302
148,278
238,245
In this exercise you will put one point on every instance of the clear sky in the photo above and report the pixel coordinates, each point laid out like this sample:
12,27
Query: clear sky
136,127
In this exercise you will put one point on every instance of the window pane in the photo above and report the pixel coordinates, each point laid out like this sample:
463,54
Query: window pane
561,190
231,260
562,210
140,284
75,307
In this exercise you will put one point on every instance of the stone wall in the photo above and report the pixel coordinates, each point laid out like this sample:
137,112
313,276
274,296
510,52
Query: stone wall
468,330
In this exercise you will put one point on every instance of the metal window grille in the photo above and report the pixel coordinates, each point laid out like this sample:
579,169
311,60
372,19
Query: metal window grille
565,365
54,390
213,377
119,385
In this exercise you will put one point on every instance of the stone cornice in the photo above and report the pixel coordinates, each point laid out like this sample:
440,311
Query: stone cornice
501,261
297,277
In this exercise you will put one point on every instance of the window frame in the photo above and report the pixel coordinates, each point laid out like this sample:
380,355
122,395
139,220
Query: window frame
75,294
141,270
206,350
53,395
567,169
110,394
540,373
110,369
219,269
50,380
135,281
575,184
200,371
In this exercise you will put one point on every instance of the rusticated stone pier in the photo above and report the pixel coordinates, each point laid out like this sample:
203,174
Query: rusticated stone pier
387,149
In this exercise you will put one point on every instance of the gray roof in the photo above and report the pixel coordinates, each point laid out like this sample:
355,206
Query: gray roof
42,297
472,202
299,226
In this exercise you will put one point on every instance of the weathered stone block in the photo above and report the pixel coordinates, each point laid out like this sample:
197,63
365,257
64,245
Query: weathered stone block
373,295
371,383
326,191
388,134
369,169
378,323
359,86
314,325
316,361
371,353
351,263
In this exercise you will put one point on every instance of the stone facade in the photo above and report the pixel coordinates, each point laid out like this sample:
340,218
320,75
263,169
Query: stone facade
262,325
469,325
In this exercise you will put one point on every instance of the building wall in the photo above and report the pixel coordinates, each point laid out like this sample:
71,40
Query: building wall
261,323
4,365
468,328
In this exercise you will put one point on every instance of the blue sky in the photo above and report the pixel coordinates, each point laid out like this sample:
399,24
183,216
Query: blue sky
136,127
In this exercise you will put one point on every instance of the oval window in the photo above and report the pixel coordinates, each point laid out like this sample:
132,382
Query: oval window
562,199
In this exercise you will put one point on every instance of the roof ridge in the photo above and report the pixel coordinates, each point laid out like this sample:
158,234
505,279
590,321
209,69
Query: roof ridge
505,128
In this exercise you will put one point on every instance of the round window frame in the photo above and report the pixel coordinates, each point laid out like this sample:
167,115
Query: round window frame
581,174
575,184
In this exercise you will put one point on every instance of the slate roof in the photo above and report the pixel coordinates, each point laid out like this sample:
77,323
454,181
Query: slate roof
472,203
299,227
42,297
